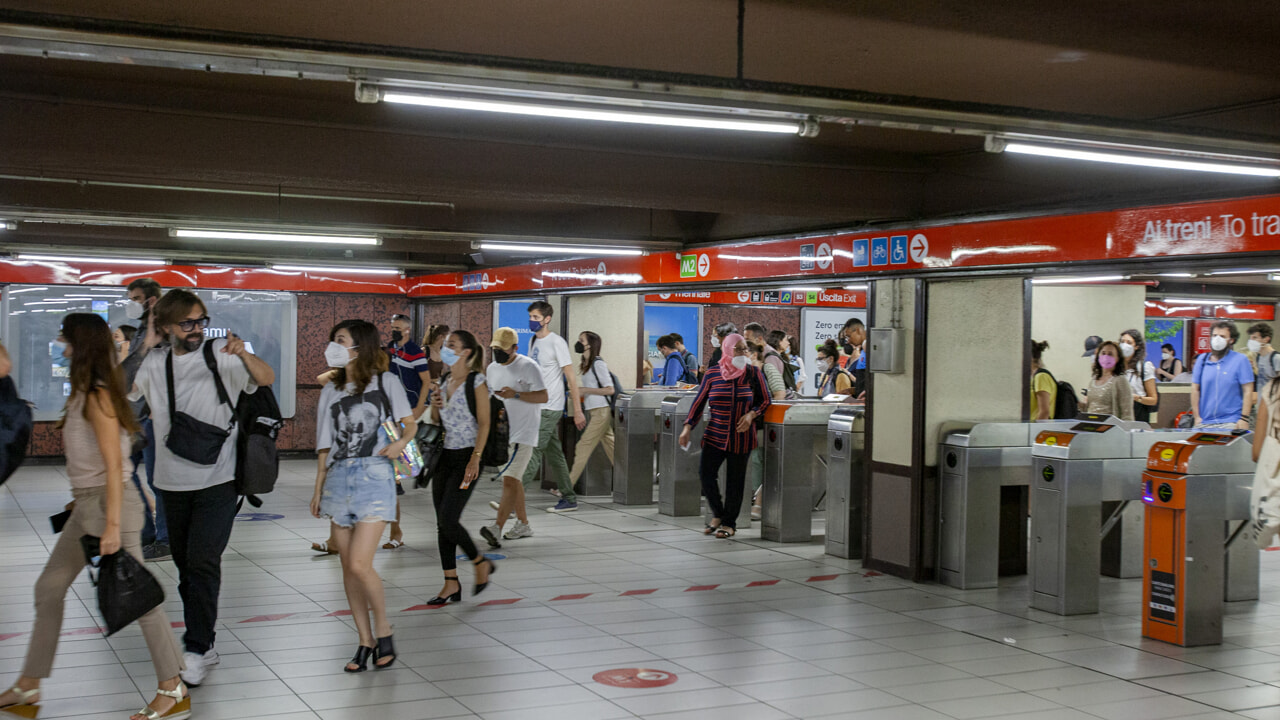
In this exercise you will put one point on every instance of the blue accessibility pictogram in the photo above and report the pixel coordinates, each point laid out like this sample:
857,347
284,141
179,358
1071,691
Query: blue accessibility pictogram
860,256
898,253
880,251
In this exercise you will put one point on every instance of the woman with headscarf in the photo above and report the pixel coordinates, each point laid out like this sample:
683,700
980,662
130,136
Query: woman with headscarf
735,392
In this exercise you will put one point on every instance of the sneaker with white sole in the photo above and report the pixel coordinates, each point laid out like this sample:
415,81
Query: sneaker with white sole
490,533
494,504
198,666
518,530
563,506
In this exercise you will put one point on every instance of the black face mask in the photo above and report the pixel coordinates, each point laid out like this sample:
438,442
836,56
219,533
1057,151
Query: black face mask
847,347
396,336
579,348
501,356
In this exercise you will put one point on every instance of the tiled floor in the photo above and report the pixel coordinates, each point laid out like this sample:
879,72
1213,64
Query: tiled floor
773,631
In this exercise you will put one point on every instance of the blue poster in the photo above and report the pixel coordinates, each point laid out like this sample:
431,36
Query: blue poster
515,315
661,319
1160,331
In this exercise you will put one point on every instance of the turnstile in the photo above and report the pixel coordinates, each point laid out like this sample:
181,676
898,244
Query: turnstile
1074,474
985,477
795,468
635,451
679,489
846,473
1192,491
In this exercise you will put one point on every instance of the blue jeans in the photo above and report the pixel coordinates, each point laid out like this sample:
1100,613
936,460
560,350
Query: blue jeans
153,530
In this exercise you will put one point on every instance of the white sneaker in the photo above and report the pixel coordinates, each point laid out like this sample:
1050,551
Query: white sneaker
198,666
518,530
494,504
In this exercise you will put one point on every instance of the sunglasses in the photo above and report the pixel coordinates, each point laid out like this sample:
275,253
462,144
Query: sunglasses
189,325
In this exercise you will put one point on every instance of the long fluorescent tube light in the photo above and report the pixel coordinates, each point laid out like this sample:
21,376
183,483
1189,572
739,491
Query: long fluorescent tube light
1068,153
1074,280
803,289
804,128
1201,301
335,269
1243,272
855,287
275,237
559,249
79,259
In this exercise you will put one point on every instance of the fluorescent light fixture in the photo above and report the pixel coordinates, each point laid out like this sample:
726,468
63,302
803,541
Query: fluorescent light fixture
559,249
1177,275
583,111
1257,271
207,234
855,287
1167,163
1274,277
1075,280
1198,301
335,269
80,259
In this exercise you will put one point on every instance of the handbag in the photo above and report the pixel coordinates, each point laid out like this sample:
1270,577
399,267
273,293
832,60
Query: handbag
191,439
126,589
430,439
409,463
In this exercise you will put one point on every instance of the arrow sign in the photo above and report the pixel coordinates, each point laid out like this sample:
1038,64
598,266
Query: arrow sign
919,248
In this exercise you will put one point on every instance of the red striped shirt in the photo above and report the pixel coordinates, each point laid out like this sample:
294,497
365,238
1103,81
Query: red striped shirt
729,400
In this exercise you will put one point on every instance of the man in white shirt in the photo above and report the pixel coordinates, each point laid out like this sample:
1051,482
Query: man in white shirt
518,381
199,497
551,353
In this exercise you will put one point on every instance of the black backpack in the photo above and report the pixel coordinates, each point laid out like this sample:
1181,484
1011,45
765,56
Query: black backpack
690,374
496,452
613,399
788,370
15,428
258,420
1065,405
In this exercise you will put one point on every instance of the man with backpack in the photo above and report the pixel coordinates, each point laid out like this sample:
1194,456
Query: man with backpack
674,371
518,381
758,334
690,360
196,453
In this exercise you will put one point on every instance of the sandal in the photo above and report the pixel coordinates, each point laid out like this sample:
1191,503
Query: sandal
27,705
180,710
386,648
392,544
726,532
361,660
323,547
710,529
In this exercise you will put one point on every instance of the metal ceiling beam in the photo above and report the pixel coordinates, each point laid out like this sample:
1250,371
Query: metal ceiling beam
337,62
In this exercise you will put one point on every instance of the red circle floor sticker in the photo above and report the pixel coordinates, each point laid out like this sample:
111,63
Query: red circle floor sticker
634,678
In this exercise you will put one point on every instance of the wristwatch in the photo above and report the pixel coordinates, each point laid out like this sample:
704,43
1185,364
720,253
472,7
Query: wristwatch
517,397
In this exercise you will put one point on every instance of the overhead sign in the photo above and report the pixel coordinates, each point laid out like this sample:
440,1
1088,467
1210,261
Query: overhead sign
824,298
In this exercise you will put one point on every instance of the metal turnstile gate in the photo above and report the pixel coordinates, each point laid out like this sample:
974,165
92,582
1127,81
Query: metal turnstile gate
679,489
795,469
635,451
846,473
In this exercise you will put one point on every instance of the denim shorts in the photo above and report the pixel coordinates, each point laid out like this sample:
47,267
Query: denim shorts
359,490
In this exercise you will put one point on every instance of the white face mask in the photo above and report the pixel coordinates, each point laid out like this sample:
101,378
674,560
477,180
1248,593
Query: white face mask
1168,355
823,364
1127,349
1218,343
337,356
715,341
1255,346
133,311
740,361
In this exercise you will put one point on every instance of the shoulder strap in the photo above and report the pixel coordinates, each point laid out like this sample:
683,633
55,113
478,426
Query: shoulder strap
595,374
470,390
385,401
213,368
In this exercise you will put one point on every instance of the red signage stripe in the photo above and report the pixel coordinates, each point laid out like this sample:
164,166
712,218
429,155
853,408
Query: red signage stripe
268,618
415,608
339,613
762,583
700,588
507,601
7,636
650,591
579,596
822,578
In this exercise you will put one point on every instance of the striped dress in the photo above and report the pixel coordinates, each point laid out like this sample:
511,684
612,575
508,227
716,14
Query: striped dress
729,401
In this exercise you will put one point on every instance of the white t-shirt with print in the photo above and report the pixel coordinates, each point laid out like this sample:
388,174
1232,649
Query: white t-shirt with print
349,425
197,396
523,418
551,353
588,379
460,427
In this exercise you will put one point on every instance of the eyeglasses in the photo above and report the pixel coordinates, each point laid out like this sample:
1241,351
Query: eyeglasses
189,325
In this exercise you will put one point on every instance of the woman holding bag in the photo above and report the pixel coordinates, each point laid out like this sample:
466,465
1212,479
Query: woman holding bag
96,428
355,480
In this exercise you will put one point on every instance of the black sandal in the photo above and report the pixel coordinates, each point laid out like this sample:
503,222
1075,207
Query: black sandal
710,529
386,647
480,586
726,532
446,599
361,660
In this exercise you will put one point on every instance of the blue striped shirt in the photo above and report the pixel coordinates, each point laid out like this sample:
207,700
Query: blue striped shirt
729,400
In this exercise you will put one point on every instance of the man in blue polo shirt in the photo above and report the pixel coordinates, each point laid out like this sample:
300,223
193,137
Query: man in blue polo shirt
1222,382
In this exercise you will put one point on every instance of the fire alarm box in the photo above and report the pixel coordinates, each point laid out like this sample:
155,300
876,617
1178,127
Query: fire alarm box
886,350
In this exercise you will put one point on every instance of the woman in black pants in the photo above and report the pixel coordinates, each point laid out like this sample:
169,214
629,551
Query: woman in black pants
466,427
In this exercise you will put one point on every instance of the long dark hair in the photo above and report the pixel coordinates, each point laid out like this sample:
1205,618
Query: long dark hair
475,363
592,354
775,340
93,365
1139,350
434,332
1118,370
371,359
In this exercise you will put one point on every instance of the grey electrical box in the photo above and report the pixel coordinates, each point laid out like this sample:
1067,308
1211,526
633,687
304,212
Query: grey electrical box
886,350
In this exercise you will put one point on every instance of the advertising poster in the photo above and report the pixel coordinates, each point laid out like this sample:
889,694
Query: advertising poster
660,320
515,315
817,325
1159,332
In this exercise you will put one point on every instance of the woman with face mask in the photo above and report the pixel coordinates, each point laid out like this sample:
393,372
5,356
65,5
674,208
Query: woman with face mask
1140,373
1170,365
718,334
735,392
355,480
1109,392
832,378
595,384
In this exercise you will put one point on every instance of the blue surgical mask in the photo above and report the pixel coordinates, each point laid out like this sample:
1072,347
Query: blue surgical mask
448,357
535,325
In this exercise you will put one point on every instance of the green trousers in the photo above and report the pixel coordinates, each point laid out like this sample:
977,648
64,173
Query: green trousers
549,446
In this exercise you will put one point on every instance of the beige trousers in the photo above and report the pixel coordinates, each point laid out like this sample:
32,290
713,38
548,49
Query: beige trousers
64,566
599,429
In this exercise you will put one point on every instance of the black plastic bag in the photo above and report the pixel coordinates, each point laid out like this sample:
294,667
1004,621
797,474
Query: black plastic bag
126,589
15,428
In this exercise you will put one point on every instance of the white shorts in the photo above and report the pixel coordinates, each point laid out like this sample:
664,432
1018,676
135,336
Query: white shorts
520,456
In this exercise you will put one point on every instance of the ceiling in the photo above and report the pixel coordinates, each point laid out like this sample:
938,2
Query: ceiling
123,118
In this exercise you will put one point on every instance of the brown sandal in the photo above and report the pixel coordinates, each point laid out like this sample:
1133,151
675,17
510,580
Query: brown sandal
323,547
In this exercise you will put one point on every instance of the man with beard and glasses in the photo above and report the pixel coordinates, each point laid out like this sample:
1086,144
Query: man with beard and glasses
199,497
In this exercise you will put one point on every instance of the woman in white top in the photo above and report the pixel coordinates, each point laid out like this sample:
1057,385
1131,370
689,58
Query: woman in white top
596,387
1141,374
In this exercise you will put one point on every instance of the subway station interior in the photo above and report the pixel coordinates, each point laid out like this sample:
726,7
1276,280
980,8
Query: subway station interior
990,190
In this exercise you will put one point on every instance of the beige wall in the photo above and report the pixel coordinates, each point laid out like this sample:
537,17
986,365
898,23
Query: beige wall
1065,315
616,319
893,403
974,369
